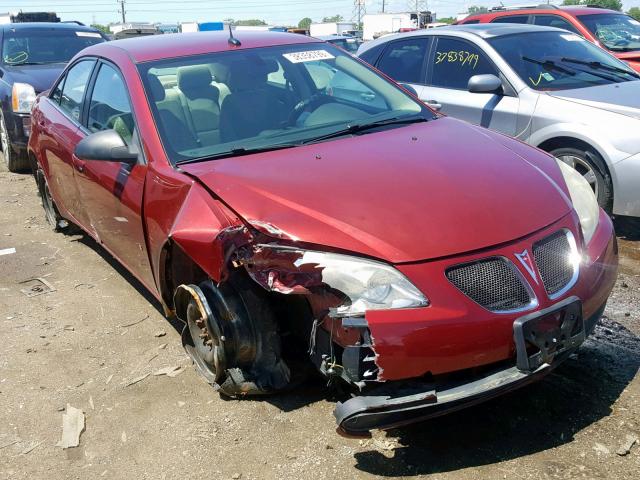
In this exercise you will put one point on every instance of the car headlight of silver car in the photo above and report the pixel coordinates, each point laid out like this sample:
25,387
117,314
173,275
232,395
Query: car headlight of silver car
362,284
583,199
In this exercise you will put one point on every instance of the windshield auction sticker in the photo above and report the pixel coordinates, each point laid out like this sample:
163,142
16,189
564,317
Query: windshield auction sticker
570,37
88,34
308,56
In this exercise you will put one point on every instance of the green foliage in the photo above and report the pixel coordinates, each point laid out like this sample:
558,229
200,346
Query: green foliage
473,9
305,23
634,12
253,22
448,20
610,4
335,18
102,28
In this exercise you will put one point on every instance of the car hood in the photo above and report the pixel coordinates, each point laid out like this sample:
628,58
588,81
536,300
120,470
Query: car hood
406,194
41,77
622,98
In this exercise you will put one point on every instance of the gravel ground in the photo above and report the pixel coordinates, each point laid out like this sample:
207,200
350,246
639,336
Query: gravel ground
85,343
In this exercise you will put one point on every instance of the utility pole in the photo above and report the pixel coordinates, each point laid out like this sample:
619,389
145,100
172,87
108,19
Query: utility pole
122,11
358,12
382,6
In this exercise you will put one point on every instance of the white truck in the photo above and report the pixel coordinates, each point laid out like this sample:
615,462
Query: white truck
189,27
332,28
378,24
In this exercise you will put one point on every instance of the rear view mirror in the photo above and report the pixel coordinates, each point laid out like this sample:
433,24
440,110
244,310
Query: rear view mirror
106,145
487,83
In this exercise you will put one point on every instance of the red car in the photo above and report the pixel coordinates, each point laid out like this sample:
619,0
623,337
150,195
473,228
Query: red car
281,218
614,31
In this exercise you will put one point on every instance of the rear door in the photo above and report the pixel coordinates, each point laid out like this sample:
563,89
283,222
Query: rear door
60,127
452,62
112,191
404,61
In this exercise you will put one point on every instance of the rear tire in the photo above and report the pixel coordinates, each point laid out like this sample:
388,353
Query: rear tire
594,170
54,219
15,163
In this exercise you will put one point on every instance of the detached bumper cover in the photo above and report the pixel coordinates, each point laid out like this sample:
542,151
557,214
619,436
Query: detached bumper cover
409,404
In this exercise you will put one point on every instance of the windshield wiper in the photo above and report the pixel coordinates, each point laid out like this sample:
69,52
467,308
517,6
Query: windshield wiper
549,65
362,127
238,152
600,66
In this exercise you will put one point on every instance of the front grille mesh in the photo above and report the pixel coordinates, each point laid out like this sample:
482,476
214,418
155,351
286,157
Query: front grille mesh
492,283
552,256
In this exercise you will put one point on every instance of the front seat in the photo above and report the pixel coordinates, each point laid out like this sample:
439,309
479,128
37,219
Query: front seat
251,107
201,102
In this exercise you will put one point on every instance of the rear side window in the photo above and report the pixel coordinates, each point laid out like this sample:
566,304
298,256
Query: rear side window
403,60
511,19
471,22
456,61
109,107
74,87
554,21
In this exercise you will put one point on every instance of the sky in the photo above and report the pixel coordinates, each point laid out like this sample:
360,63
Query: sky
274,12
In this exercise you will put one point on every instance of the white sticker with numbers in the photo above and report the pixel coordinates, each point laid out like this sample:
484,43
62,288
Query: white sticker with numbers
89,34
308,56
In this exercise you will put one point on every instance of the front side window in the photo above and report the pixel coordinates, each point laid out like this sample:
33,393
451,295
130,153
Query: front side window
617,32
554,21
403,60
327,93
38,45
560,61
109,107
75,84
456,61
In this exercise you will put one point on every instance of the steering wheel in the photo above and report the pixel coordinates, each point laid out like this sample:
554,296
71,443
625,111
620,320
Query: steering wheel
307,105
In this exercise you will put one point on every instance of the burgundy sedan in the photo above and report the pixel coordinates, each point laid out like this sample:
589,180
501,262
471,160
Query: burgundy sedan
287,202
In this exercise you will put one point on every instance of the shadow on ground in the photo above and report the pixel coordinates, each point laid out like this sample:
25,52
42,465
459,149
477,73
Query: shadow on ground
533,419
627,228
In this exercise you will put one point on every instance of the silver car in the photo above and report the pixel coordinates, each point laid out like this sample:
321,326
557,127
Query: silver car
545,86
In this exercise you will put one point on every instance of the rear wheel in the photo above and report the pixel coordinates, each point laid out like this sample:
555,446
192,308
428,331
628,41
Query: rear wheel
54,219
590,165
15,163
231,335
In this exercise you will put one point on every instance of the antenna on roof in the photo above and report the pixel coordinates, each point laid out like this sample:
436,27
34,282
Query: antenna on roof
233,40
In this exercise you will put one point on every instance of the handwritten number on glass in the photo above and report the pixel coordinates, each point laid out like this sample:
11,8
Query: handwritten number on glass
462,56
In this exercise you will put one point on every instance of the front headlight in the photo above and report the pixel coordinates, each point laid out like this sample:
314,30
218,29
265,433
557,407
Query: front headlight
583,199
22,97
360,284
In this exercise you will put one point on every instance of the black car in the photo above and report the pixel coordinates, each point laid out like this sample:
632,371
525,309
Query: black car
32,55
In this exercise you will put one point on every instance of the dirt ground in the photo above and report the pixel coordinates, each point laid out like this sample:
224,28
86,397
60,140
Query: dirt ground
86,342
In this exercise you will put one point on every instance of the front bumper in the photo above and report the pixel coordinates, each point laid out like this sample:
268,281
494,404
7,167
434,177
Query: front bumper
413,403
454,337
19,129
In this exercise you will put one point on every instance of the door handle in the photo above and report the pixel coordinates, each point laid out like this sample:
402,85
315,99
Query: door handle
434,104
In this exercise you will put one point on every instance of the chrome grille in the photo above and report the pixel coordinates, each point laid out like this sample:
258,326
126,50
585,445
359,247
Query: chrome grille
553,258
493,283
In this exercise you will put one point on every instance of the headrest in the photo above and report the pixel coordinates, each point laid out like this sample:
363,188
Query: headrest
220,72
194,77
157,90
250,73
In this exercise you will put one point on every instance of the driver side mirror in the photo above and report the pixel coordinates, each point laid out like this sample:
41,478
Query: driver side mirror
106,145
487,83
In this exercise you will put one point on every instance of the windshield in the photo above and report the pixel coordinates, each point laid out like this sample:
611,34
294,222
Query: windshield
229,103
560,61
617,32
44,45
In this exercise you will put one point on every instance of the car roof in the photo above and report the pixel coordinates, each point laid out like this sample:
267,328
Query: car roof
571,10
47,25
157,47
